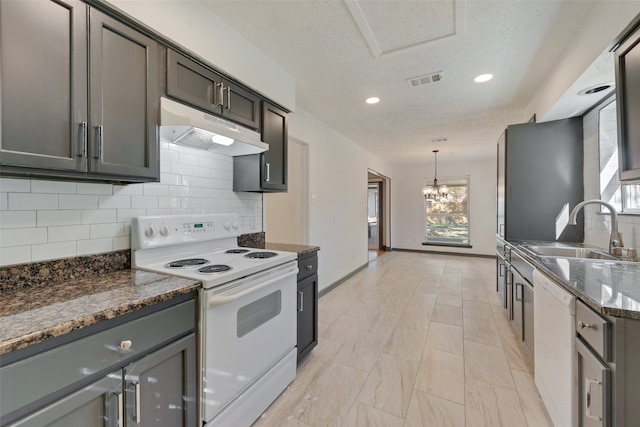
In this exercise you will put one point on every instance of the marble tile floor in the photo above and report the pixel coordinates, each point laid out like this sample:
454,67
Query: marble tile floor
413,340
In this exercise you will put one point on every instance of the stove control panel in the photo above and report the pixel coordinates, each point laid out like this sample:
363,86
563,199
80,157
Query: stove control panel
167,230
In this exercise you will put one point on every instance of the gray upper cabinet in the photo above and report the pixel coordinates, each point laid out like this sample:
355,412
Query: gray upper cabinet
43,84
53,122
203,88
266,172
627,62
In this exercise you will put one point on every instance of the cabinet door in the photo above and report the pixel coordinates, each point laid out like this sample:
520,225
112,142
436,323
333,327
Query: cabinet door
527,309
97,405
241,106
307,315
192,83
43,84
274,161
593,392
124,100
628,106
160,389
502,146
518,301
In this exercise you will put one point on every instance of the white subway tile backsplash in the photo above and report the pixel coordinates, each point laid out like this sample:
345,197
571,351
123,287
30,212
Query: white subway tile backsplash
155,189
15,255
93,188
102,216
94,246
115,229
78,201
17,219
128,190
144,202
61,217
121,243
114,202
53,250
32,201
10,185
22,236
68,233
50,219
58,187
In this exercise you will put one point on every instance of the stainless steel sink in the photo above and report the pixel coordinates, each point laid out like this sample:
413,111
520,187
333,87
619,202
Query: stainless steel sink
569,252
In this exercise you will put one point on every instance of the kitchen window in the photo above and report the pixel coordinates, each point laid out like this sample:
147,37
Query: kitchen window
447,221
625,198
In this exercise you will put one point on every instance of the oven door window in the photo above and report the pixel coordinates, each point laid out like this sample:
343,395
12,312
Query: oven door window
258,312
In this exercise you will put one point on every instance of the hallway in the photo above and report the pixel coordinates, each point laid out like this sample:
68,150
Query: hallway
413,340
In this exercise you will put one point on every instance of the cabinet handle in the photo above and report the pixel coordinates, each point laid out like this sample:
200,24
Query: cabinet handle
219,98
100,129
501,270
589,383
83,130
309,267
521,286
228,98
501,230
301,301
126,344
137,408
584,325
268,177
120,409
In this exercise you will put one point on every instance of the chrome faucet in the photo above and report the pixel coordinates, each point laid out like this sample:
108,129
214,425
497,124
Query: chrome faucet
615,241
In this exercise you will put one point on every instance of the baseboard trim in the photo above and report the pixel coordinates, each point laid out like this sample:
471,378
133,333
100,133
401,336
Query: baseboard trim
342,280
422,251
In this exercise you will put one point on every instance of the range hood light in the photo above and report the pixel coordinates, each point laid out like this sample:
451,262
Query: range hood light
222,140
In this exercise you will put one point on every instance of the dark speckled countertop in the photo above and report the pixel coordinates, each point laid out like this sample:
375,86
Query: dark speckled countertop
30,315
609,287
288,247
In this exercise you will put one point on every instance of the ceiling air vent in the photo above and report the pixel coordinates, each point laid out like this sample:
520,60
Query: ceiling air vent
426,79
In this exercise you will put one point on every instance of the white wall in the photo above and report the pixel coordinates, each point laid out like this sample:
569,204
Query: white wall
337,194
407,205
193,26
597,229
607,20
42,220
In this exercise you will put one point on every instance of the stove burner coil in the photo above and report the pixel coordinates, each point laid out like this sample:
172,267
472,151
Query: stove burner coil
236,251
182,263
261,255
216,268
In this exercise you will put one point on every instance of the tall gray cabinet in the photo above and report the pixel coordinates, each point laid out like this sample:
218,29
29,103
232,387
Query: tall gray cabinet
78,94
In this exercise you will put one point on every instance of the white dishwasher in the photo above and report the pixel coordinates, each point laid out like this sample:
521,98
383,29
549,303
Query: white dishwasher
554,326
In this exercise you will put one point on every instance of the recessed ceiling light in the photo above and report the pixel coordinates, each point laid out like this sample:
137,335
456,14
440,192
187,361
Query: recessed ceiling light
483,78
373,100
597,88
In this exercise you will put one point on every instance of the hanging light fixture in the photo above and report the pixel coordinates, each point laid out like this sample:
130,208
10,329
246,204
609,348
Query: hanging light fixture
436,192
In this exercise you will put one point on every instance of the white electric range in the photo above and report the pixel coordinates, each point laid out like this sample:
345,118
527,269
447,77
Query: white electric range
248,309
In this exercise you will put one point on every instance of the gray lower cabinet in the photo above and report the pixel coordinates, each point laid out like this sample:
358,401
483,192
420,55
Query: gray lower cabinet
139,373
78,94
307,324
203,88
593,388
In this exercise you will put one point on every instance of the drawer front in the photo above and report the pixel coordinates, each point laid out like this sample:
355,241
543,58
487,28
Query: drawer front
78,360
307,267
594,329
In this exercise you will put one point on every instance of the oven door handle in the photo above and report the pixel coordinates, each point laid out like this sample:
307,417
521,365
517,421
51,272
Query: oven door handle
215,300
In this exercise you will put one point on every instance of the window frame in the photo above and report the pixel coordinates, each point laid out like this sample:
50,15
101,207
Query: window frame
450,182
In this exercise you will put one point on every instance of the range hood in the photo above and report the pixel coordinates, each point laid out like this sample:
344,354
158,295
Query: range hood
181,124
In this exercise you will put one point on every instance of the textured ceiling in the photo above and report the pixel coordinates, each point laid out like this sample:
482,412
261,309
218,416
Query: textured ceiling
343,52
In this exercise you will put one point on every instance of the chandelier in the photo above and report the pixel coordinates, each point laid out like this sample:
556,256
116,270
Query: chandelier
436,192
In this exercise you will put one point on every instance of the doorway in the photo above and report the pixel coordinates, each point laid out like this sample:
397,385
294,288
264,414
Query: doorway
378,236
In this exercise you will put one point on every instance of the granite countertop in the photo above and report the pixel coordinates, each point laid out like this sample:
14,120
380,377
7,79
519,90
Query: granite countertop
289,247
30,315
610,287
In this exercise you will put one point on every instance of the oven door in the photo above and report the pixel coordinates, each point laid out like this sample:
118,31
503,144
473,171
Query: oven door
249,325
